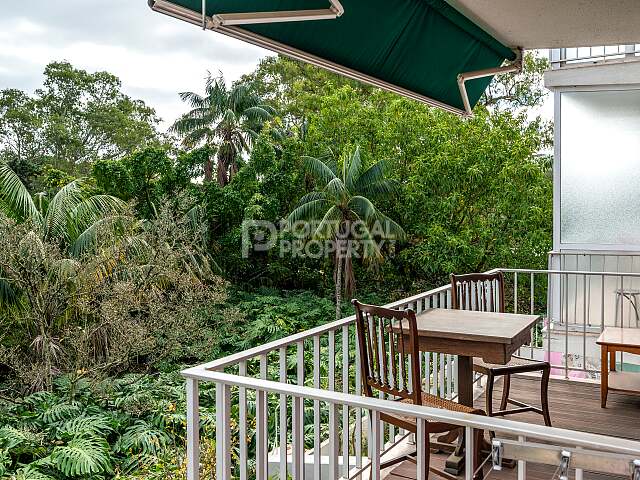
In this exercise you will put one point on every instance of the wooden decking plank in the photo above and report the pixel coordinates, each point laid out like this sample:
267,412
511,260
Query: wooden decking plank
573,405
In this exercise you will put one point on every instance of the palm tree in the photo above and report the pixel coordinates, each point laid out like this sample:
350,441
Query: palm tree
345,214
227,119
72,217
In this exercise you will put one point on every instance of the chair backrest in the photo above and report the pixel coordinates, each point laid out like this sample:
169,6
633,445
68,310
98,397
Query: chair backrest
389,355
482,292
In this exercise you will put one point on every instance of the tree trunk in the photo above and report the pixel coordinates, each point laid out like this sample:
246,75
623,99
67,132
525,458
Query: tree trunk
338,281
208,169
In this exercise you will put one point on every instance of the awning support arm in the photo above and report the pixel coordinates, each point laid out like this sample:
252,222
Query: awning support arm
516,66
334,11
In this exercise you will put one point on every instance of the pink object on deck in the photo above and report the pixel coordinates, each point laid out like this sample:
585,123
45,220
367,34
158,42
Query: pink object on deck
557,358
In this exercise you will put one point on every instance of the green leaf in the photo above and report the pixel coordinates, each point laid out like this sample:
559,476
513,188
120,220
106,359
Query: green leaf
15,199
82,457
142,438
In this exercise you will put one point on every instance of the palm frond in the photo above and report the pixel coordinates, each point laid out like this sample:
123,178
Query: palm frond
312,210
373,183
355,164
329,225
366,241
337,191
388,229
311,196
363,207
92,209
56,220
15,199
194,99
86,240
319,170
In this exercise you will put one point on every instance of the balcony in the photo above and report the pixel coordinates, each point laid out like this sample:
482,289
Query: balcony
295,406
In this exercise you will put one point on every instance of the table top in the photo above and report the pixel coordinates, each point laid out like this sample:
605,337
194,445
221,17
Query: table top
484,327
624,337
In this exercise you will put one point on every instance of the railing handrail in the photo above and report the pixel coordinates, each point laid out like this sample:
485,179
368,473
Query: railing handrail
568,272
307,334
553,434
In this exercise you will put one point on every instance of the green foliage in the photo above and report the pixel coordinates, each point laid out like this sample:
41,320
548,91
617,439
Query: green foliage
149,176
101,303
74,119
227,120
82,456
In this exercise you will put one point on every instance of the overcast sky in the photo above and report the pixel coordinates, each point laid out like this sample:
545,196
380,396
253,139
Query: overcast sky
155,56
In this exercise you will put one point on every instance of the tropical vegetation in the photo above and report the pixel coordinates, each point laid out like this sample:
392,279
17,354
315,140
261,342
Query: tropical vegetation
122,261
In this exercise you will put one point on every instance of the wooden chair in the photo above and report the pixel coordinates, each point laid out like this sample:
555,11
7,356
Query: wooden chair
485,292
389,360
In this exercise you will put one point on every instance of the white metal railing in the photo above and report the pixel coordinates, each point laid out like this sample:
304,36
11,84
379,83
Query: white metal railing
300,397
566,57
575,306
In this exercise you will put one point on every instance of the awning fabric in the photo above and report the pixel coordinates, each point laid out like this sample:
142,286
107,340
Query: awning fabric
418,45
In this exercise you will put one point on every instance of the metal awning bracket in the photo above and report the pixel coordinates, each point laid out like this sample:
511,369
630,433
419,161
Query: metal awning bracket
515,66
334,11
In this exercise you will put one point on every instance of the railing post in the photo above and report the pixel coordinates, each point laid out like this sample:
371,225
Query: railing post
376,444
283,415
298,420
522,465
317,473
223,431
469,453
421,474
242,399
193,430
262,427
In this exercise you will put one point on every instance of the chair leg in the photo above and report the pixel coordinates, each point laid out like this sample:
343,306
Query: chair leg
506,387
544,394
489,394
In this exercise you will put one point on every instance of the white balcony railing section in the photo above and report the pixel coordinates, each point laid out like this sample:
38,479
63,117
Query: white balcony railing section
569,57
294,406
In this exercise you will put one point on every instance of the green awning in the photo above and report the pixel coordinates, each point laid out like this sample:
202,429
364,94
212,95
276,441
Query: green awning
414,47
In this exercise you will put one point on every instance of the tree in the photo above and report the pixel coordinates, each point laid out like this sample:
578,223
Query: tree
346,215
149,175
74,119
71,217
87,117
227,119
20,133
519,90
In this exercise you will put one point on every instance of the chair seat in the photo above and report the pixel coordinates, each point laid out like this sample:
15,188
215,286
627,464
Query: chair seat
433,401
515,365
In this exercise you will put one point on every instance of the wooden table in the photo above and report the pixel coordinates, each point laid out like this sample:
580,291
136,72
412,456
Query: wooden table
494,337
612,340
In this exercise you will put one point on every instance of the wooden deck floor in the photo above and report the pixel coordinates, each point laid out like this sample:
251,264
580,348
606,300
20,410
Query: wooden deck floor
574,406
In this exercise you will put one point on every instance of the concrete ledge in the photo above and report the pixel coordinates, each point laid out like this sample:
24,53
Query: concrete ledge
615,74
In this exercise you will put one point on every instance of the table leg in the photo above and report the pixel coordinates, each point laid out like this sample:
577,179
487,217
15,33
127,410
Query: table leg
604,375
455,462
465,380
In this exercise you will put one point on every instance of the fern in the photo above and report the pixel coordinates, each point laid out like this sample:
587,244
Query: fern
82,457
142,438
